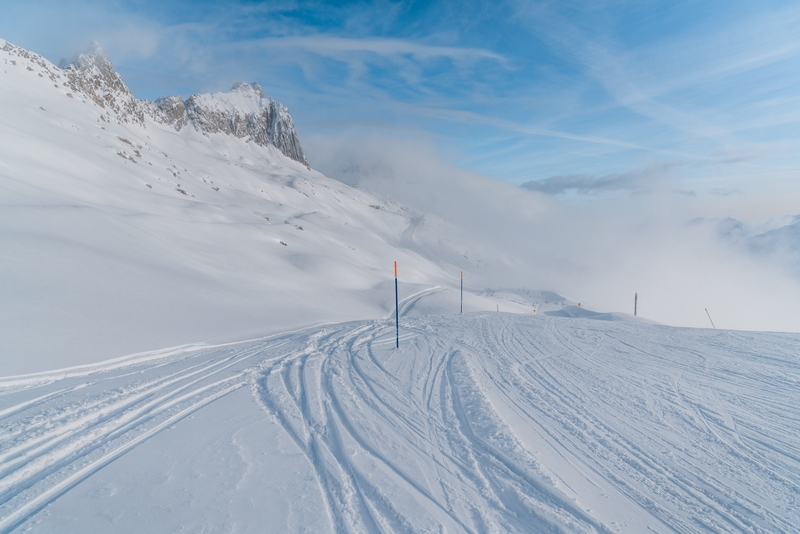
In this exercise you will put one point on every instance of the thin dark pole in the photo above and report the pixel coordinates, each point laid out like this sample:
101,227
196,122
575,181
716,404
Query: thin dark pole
709,318
462,291
396,309
635,303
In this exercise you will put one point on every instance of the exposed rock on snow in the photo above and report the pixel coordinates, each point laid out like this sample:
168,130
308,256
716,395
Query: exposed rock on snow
243,111
173,111
92,74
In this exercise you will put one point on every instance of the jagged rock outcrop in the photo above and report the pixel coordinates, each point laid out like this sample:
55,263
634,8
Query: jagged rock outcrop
172,111
92,74
242,112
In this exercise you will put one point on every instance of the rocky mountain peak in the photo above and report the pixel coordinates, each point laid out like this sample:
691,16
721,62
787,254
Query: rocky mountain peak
93,56
172,111
243,112
92,74
248,88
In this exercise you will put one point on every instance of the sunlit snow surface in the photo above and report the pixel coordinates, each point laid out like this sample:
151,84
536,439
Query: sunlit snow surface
485,422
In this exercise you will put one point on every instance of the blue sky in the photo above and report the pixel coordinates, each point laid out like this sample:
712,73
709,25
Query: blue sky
577,99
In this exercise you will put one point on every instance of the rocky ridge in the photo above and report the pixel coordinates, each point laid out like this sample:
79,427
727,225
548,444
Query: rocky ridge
92,74
242,112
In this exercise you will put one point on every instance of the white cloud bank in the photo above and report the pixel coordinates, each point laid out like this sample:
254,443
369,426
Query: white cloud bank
601,252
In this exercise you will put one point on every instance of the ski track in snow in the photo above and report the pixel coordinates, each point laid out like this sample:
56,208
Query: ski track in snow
677,430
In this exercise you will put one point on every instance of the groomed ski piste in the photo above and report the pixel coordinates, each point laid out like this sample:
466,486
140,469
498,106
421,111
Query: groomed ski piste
568,421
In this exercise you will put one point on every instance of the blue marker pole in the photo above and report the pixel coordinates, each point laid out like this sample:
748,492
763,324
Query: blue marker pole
462,291
396,309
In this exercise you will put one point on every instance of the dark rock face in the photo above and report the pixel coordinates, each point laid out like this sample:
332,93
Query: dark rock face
282,133
173,111
91,73
242,112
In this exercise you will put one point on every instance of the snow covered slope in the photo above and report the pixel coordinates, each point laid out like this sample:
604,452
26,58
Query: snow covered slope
485,422
126,228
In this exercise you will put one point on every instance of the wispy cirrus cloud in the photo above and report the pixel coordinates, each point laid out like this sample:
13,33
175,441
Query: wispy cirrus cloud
584,184
383,68
649,179
641,181
702,78
531,129
334,46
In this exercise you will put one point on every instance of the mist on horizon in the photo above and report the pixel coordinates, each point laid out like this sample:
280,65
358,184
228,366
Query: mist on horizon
600,250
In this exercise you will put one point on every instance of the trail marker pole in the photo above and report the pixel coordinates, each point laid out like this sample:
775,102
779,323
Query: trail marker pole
635,302
709,318
396,309
462,291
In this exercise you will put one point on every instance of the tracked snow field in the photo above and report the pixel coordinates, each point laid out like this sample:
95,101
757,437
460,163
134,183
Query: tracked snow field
485,422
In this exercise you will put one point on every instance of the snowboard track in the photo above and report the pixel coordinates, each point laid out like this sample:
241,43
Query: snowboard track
479,423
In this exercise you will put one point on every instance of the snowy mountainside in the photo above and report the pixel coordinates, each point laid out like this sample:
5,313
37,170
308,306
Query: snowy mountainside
123,234
92,75
243,112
